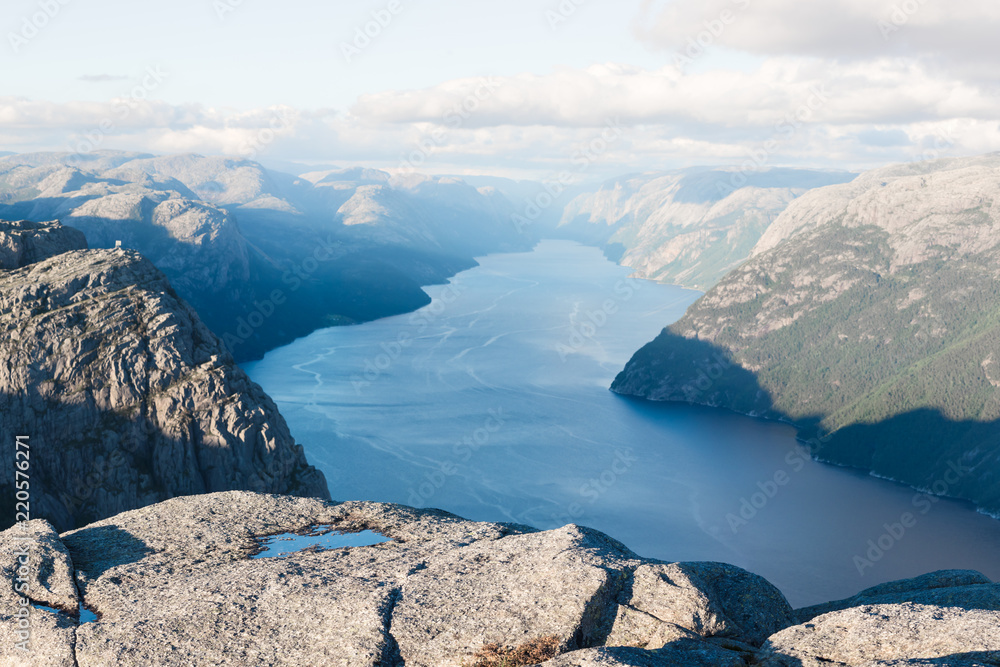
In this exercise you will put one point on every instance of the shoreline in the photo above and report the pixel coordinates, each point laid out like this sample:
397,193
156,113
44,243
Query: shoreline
973,505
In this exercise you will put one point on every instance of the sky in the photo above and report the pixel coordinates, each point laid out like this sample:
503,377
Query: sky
519,89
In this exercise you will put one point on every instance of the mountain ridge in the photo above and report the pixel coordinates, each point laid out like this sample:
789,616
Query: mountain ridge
230,233
687,227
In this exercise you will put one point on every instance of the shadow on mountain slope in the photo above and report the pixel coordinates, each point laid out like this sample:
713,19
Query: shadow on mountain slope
674,368
927,450
80,464
291,299
923,448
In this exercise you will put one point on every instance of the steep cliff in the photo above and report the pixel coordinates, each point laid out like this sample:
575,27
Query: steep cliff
125,397
23,242
869,311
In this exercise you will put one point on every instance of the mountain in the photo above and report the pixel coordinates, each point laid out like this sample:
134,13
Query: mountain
539,204
869,315
433,214
122,396
240,578
264,256
687,227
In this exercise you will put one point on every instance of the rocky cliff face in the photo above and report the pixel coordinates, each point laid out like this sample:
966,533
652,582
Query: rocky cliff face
23,243
125,396
688,227
919,204
871,311
198,245
187,582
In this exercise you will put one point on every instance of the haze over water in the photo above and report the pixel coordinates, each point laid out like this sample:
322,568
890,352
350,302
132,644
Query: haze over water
493,403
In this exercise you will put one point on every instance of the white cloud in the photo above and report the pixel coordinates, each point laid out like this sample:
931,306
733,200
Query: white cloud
881,91
808,111
958,31
102,78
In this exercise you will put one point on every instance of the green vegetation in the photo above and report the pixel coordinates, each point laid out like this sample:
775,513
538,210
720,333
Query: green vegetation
725,245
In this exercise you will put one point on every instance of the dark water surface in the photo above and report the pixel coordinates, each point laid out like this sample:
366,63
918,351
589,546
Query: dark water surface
493,403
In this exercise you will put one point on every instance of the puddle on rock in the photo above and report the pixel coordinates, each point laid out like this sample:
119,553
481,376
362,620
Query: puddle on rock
86,616
321,538
44,608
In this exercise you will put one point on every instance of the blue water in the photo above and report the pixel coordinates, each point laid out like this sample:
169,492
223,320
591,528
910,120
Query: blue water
86,616
493,403
321,538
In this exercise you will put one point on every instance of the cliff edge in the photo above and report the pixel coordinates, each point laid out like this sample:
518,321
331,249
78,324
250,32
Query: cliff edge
208,581
123,396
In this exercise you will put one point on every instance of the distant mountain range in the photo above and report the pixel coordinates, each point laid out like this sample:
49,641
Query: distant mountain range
687,227
265,256
869,315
